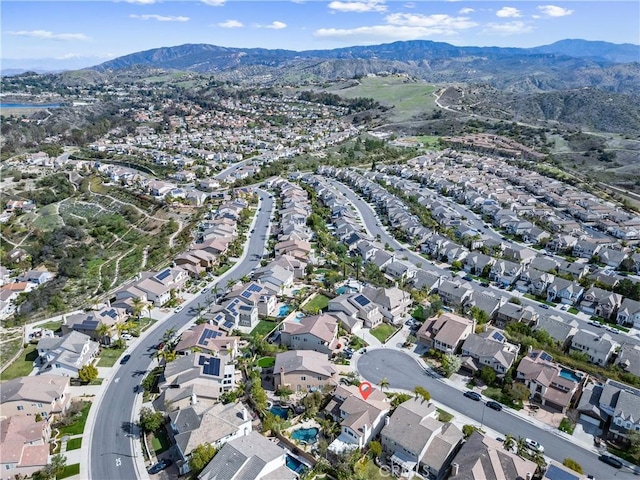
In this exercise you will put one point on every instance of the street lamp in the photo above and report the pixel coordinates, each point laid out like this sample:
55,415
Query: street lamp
484,406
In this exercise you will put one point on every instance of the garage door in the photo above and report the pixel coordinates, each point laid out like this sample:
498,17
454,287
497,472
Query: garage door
588,419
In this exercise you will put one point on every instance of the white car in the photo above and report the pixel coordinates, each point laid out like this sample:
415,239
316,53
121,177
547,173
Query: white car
178,308
127,336
533,445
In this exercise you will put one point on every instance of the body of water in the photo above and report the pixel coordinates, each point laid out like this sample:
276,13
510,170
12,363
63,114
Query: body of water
29,105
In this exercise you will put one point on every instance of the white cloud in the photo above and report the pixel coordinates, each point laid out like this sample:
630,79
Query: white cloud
214,3
69,56
231,24
439,21
466,11
45,34
554,11
160,18
277,25
358,6
508,12
141,2
509,28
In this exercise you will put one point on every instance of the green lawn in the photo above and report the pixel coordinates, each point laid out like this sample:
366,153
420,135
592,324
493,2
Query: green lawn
160,442
74,443
444,416
263,327
9,349
573,310
77,427
51,326
69,471
497,395
317,303
109,356
383,331
266,362
374,472
22,366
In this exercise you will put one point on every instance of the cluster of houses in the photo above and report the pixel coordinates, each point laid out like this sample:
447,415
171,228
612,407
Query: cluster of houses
12,285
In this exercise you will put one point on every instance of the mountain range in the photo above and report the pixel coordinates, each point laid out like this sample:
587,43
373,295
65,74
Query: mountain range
561,65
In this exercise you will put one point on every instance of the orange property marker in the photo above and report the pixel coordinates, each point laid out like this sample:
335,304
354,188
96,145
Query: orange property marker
365,389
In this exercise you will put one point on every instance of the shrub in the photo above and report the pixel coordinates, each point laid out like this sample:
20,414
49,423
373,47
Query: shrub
573,465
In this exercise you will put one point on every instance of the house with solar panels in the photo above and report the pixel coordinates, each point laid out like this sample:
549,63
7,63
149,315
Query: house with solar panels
257,295
359,307
88,323
489,348
158,286
210,376
208,339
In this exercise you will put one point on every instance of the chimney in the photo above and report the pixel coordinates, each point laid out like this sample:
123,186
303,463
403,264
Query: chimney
528,476
245,413
454,469
194,399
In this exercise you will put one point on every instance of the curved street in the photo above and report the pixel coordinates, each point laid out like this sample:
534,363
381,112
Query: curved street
113,453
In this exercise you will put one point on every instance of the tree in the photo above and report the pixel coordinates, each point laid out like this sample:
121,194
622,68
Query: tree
467,430
573,465
258,395
521,446
200,457
138,306
375,448
384,383
88,373
53,469
150,420
103,331
329,428
422,392
509,442
450,364
284,392
399,398
488,375
634,441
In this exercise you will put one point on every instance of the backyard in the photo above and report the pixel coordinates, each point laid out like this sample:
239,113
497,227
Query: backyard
263,328
316,304
159,441
383,331
23,365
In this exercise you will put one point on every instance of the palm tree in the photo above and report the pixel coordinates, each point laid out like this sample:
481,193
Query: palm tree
103,332
509,441
215,290
521,446
384,383
330,429
422,392
538,459
138,307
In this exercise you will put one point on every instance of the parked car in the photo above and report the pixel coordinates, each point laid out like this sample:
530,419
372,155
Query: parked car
125,359
609,460
126,336
468,278
484,284
495,405
545,306
473,395
563,308
533,445
178,308
161,465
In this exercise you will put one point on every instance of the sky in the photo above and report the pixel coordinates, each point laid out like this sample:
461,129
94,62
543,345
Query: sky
75,34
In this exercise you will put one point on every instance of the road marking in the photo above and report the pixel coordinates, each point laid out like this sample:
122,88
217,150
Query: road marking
117,380
118,462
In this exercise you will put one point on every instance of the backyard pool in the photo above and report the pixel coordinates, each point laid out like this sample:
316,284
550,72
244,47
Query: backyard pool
346,289
305,435
284,309
295,464
570,375
280,411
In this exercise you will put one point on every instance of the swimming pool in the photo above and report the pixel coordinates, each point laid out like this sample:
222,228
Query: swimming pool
295,464
280,411
284,309
346,289
305,435
570,375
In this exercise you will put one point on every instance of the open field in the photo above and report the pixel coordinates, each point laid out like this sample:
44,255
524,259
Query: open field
408,97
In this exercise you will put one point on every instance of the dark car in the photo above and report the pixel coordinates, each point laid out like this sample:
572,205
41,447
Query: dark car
495,405
125,359
161,465
473,395
484,284
613,461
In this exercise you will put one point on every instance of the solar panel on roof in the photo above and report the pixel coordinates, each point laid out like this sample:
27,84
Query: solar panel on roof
362,300
164,274
546,357
556,473
254,288
246,294
202,360
498,336
229,324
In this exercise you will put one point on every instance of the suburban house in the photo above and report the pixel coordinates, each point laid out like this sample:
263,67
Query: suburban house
66,355
400,270
454,293
24,443
481,458
514,313
564,291
203,423
249,457
600,302
446,332
318,332
360,420
598,348
393,302
212,375
256,294
89,323
414,440
489,348
557,471
303,370
36,276
357,306
629,358
426,280
237,312
505,272
621,404
561,330
487,301
43,394
629,313
157,287
476,262
275,278
206,338
553,385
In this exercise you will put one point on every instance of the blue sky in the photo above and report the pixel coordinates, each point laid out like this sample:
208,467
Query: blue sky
82,33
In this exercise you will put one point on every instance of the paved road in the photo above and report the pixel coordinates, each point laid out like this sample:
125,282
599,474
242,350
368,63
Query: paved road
373,225
111,447
403,372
